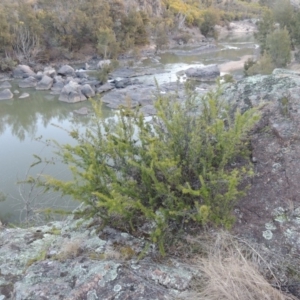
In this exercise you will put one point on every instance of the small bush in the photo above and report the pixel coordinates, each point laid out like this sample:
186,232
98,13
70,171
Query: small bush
228,78
171,172
210,18
263,66
102,74
248,64
278,45
182,38
265,26
7,64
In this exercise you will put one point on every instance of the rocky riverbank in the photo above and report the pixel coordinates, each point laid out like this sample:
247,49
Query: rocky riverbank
78,85
76,259
74,86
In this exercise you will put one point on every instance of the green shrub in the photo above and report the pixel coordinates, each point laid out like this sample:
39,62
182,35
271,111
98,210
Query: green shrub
263,66
107,45
264,27
284,14
211,17
228,78
102,74
7,64
248,64
278,45
177,170
161,30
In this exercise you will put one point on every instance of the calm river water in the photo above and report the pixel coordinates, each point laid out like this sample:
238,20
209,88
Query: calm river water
26,123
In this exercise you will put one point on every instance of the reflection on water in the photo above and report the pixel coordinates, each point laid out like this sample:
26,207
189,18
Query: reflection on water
22,121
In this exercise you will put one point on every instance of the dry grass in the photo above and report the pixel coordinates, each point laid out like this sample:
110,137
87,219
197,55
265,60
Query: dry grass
70,249
233,270
235,278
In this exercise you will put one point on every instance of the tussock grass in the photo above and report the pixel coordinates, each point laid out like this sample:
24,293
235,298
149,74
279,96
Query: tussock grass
70,249
232,269
235,278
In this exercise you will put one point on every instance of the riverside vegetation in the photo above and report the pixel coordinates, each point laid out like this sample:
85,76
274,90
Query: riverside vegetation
183,168
154,179
278,34
41,31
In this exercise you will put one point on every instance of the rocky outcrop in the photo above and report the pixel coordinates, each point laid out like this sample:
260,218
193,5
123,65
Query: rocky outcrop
270,212
206,73
45,83
73,260
136,94
6,94
23,71
71,93
255,90
142,95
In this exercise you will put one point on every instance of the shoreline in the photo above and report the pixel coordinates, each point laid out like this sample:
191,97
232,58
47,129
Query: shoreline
197,41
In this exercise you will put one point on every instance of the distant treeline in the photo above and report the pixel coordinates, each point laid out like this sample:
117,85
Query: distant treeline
44,30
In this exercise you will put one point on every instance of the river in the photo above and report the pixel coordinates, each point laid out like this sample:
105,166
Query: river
26,125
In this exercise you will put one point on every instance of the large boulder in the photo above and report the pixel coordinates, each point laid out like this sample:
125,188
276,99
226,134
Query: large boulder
94,83
23,71
87,91
105,88
103,63
206,73
39,75
6,94
81,74
71,93
66,70
45,83
28,82
5,85
74,79
49,71
57,87
58,78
